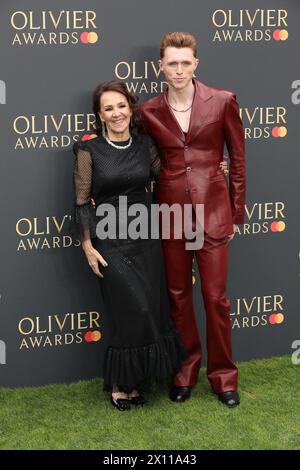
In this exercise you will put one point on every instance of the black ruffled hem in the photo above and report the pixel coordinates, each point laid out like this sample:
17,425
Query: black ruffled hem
83,223
140,368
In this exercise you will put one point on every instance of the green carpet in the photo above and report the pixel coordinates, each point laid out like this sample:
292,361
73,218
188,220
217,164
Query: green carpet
79,416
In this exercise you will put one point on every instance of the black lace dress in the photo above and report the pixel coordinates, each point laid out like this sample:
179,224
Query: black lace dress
143,344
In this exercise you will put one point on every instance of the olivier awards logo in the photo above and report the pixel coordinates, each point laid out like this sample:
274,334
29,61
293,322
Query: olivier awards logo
249,25
59,330
261,311
264,122
140,77
49,28
50,131
263,218
46,233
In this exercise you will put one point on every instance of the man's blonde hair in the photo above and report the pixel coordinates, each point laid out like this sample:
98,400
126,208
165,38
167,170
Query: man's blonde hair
178,39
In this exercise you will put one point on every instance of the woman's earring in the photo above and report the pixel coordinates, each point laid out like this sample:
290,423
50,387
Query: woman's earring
103,126
131,121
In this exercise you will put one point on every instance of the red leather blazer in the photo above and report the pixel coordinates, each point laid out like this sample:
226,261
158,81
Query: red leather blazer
190,165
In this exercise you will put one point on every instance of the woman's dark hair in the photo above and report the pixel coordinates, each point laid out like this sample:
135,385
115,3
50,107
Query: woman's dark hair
115,85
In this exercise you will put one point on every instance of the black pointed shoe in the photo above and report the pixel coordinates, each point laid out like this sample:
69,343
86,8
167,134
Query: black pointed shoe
230,399
180,394
138,400
122,404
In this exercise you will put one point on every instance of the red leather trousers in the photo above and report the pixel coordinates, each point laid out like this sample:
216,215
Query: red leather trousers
212,260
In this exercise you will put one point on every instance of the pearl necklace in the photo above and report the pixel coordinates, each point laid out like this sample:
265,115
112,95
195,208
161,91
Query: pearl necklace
120,147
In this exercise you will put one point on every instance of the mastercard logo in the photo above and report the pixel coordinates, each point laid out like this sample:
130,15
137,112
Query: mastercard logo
277,226
280,35
89,38
279,131
276,318
91,336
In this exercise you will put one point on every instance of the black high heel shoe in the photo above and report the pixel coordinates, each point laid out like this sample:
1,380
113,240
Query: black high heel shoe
122,404
139,400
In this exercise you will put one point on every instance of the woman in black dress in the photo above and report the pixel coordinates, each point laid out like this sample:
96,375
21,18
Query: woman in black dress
143,344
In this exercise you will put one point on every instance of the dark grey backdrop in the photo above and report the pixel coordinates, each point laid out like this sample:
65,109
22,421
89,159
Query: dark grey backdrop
36,183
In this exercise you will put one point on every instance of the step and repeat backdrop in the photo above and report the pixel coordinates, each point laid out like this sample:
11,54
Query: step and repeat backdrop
53,54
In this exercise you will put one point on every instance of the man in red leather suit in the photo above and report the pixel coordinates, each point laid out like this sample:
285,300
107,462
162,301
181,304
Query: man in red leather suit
190,123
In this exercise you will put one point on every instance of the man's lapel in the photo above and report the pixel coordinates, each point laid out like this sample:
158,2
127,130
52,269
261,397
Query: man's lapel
199,116
200,110
167,118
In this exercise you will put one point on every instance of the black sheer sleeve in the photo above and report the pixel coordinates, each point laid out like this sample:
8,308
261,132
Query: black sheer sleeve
154,167
83,225
154,161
